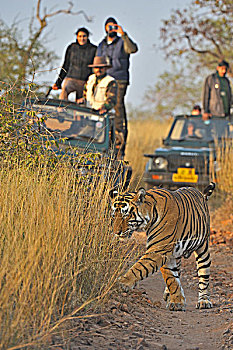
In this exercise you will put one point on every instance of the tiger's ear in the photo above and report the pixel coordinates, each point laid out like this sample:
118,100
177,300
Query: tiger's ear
140,195
113,193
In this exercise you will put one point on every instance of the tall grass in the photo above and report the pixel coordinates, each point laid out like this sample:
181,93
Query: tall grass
225,167
144,137
58,256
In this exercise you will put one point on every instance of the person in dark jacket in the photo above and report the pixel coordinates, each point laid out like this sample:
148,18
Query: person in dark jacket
216,94
117,47
75,70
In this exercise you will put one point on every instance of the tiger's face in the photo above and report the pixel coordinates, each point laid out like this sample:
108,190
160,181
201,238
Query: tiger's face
127,213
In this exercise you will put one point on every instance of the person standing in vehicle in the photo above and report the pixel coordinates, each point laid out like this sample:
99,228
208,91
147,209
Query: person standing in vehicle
100,90
216,94
75,70
117,47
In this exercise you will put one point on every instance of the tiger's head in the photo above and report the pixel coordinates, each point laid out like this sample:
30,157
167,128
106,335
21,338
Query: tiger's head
129,212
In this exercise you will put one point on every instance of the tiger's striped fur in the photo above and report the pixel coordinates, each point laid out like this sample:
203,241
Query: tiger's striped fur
177,224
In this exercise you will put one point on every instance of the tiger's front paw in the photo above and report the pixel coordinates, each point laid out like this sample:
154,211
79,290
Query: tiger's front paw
126,283
176,306
204,304
176,303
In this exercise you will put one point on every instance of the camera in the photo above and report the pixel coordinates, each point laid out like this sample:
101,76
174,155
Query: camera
112,28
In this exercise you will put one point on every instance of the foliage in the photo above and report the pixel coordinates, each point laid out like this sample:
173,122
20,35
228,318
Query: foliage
19,60
175,92
19,141
58,257
194,40
203,33
23,55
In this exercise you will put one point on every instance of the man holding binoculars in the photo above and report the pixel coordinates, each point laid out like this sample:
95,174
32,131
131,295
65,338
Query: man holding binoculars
116,47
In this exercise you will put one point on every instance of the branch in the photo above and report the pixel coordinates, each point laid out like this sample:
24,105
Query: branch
203,52
43,20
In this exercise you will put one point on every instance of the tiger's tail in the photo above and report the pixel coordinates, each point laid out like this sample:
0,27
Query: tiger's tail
209,190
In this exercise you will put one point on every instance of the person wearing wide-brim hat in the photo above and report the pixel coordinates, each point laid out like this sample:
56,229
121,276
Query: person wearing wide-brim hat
100,91
100,62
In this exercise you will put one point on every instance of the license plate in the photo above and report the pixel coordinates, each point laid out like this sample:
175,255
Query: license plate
185,175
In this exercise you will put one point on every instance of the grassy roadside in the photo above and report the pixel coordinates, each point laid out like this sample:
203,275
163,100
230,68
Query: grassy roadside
58,257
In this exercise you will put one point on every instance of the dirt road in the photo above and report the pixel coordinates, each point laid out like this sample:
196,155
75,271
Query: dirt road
139,319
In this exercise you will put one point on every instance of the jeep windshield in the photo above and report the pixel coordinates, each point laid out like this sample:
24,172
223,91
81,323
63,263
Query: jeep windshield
195,129
70,123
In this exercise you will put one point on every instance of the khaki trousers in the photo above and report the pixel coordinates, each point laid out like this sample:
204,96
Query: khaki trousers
72,85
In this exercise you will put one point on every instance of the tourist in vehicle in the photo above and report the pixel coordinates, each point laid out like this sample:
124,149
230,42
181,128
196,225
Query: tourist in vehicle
190,130
117,47
193,132
75,70
196,110
100,91
216,94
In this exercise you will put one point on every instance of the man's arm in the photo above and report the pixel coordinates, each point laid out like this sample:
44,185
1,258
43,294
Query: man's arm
64,68
230,97
129,45
206,95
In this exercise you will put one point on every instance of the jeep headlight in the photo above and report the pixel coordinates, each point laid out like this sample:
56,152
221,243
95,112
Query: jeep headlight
160,163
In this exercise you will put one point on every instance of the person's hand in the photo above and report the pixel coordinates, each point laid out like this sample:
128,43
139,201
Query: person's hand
119,138
80,100
55,87
119,30
206,116
102,110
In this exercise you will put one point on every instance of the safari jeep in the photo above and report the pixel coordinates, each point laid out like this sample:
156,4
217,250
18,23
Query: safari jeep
187,156
80,128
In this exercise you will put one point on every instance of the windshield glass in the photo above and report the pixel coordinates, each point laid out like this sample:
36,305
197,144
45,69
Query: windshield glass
71,123
191,129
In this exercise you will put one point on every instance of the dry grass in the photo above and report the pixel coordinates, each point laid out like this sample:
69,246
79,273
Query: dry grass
223,214
144,137
225,165
58,255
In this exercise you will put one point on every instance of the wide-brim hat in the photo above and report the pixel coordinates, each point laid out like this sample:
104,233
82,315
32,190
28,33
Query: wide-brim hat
100,61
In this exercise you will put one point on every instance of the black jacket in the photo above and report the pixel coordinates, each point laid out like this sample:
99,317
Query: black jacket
77,59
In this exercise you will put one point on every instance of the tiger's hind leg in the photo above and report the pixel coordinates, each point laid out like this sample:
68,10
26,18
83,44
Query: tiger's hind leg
175,297
203,267
166,293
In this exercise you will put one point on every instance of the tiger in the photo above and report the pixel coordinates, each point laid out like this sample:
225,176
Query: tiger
177,224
